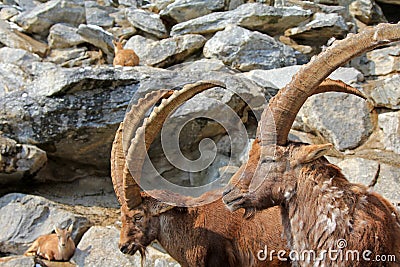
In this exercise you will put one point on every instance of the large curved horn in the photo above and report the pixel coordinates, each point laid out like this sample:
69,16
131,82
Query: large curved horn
137,113
152,125
278,118
124,133
118,164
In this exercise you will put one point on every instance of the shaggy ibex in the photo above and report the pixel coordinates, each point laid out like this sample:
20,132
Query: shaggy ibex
207,235
124,57
58,246
321,210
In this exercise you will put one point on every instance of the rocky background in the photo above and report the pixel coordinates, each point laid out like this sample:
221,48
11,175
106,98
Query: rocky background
62,101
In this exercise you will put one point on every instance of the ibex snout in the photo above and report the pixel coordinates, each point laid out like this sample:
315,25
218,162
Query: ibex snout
129,248
124,248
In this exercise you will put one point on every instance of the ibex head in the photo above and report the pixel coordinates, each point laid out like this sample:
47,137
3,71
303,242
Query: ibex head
119,44
271,174
140,225
139,211
63,235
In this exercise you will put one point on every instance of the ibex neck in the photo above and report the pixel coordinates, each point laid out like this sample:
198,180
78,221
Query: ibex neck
66,251
317,215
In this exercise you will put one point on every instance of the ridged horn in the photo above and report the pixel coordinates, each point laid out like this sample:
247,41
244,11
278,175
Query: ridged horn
152,125
126,129
118,164
136,115
278,118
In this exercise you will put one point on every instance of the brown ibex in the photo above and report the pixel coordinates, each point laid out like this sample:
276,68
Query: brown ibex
207,235
321,210
124,57
54,247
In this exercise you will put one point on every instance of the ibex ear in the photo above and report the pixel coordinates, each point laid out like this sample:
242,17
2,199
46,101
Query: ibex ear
56,230
69,229
160,208
309,153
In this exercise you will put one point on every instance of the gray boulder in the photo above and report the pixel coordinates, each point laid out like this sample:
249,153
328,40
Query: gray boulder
254,16
29,217
388,183
342,119
386,93
359,170
246,50
389,123
381,61
183,10
99,15
41,18
318,31
63,36
98,37
147,21
166,52
99,247
13,38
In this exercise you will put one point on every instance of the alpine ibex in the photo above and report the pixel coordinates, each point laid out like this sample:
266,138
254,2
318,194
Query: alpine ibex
321,210
124,57
206,235
54,247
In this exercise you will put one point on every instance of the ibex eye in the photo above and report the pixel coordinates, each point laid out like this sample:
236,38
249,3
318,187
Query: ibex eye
138,218
269,159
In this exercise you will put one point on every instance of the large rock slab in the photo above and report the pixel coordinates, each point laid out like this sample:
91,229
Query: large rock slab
73,113
388,183
381,61
389,122
183,10
166,52
328,114
41,18
26,217
246,50
359,170
147,21
12,78
276,79
15,39
63,36
99,247
318,31
254,16
99,15
19,68
98,37
386,93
